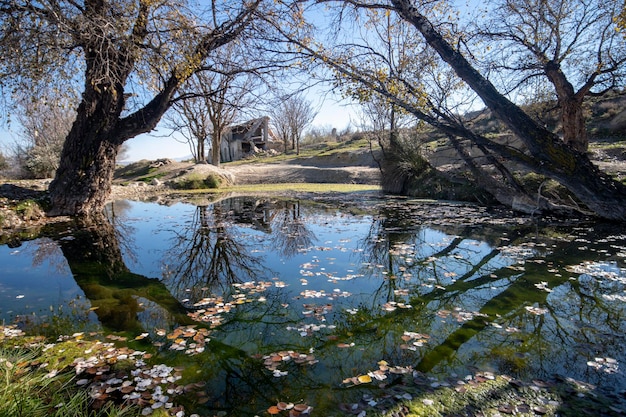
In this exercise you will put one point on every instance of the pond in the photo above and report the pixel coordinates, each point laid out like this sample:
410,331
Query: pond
324,301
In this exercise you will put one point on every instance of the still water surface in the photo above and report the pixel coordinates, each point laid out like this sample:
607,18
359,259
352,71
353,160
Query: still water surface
301,296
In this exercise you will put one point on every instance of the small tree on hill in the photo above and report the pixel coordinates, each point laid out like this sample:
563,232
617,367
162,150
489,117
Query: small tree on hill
210,102
290,118
574,45
3,162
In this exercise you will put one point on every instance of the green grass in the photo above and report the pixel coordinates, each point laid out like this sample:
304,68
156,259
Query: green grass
139,168
290,187
29,390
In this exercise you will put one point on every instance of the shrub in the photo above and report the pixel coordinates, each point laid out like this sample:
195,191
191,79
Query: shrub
213,181
197,182
29,210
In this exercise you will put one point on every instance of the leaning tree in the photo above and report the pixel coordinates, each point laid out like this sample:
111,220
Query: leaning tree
546,153
418,91
129,58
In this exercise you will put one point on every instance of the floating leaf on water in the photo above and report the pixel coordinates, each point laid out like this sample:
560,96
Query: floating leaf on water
284,406
536,310
379,374
351,381
364,379
301,408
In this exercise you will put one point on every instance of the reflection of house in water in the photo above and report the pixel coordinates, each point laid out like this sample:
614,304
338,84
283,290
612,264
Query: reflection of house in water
244,139
257,213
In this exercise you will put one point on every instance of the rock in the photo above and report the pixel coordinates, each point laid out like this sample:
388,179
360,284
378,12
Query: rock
9,219
161,162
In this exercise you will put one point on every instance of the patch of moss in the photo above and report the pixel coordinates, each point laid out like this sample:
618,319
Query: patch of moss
536,183
501,395
29,209
213,181
38,379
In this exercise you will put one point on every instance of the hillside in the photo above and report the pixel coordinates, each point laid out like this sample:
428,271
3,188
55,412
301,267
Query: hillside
351,161
347,162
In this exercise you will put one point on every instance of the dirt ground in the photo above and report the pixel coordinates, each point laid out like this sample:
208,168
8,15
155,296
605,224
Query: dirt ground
357,167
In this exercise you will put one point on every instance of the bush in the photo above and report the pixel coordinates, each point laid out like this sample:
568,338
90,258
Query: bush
3,162
213,181
197,182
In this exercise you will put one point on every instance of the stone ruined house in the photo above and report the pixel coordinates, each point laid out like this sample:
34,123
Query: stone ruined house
245,139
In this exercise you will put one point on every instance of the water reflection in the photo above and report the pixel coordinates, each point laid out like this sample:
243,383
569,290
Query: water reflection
95,259
442,289
204,255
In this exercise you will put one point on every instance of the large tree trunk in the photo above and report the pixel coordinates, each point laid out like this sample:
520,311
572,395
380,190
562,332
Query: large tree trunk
571,104
83,180
550,156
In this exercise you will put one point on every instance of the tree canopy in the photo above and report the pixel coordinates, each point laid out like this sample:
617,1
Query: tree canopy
433,89
130,57
571,45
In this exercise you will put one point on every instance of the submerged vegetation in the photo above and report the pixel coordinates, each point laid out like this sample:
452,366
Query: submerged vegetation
82,375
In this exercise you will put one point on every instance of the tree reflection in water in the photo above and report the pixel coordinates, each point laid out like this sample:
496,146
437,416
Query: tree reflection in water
485,292
503,331
95,259
207,257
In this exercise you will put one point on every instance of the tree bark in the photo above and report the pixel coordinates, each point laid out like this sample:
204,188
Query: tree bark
571,104
573,124
201,153
83,180
216,144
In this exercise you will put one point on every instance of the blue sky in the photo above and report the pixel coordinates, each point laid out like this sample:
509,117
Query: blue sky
332,112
